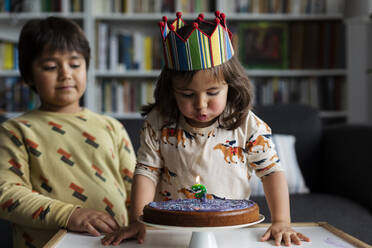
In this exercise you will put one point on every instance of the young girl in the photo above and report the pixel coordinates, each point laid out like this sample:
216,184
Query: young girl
201,125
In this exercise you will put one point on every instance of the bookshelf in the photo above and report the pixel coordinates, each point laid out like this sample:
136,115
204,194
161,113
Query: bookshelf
100,17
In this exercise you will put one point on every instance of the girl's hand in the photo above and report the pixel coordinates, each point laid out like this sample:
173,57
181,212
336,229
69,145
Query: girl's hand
282,231
135,229
91,221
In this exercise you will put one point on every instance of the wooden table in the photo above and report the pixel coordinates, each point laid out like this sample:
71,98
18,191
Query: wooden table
322,235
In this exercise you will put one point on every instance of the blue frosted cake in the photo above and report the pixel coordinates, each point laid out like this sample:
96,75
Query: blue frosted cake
201,213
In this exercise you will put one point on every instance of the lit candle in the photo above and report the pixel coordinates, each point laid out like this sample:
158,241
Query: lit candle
199,189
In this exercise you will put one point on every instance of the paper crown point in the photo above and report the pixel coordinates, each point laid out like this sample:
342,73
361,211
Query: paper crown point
201,45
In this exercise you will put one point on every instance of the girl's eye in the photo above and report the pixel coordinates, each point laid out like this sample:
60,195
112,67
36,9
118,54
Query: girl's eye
49,68
187,95
213,93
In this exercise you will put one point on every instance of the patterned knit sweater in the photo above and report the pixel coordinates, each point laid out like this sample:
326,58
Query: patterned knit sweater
52,163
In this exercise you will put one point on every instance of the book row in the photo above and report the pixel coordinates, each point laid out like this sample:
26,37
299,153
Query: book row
285,6
121,96
153,6
119,49
260,45
10,6
16,96
233,6
324,93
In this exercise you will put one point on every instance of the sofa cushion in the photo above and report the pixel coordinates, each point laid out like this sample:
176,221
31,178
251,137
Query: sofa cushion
304,123
285,146
133,127
340,212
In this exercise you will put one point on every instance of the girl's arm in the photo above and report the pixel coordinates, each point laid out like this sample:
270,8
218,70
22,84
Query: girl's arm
277,197
143,191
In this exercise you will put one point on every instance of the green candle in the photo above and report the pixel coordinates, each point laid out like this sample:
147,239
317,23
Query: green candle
199,190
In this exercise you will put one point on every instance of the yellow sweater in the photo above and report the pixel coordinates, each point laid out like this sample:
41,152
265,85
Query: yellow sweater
52,163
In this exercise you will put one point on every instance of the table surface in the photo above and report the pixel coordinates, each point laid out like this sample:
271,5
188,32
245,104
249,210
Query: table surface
321,234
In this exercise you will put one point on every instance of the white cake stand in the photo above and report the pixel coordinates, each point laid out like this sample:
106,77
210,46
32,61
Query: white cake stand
202,237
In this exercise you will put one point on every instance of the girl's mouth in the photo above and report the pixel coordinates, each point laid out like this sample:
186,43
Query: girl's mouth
201,117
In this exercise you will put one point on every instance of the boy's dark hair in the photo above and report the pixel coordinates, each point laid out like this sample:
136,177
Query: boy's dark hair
239,98
240,93
53,34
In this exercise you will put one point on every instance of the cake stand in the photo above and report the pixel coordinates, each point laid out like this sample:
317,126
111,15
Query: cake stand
202,237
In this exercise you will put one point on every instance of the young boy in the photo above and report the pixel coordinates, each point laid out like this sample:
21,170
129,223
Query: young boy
62,165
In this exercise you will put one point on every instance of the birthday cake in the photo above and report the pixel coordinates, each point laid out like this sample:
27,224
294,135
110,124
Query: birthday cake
201,213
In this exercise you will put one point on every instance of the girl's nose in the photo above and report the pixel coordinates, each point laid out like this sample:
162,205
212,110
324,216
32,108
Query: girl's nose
200,102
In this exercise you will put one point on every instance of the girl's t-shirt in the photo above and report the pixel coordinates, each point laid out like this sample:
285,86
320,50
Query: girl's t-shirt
173,155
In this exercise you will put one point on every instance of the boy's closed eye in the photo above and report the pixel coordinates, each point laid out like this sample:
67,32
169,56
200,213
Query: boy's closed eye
53,67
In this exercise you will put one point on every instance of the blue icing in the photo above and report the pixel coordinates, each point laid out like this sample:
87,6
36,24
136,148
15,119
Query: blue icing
198,205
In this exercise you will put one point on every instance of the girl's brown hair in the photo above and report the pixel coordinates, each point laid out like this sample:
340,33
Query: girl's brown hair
239,98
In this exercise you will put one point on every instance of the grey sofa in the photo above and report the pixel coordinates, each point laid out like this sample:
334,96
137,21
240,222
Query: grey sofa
334,161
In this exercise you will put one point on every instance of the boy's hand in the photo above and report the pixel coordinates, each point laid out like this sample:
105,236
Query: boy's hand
282,231
91,221
135,229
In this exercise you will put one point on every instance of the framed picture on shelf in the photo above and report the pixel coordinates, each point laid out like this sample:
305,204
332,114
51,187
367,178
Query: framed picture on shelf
263,45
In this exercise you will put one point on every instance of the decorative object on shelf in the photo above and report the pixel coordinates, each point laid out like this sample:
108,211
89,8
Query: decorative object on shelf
264,45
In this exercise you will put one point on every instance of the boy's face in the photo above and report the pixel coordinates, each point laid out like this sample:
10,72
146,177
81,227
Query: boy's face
202,100
60,80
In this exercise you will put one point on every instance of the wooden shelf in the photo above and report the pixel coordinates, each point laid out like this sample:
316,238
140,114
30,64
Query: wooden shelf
9,73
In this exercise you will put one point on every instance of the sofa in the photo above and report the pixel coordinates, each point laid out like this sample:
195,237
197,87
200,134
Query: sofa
334,163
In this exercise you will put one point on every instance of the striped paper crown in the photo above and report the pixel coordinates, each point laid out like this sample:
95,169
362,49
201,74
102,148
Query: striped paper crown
198,50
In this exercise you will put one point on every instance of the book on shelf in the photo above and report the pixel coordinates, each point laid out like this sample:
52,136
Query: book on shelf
296,45
8,55
263,45
312,46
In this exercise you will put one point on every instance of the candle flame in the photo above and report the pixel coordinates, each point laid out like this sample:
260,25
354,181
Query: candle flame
197,180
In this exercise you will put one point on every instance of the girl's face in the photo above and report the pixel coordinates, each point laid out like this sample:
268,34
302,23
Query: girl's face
202,100
60,80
